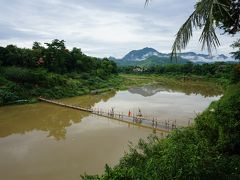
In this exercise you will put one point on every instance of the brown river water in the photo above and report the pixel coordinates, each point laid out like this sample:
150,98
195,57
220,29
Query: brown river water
44,141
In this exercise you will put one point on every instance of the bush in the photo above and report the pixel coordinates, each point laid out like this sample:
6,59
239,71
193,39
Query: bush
7,97
236,73
220,123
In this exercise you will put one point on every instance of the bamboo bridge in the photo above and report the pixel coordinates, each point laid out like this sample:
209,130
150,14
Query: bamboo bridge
140,121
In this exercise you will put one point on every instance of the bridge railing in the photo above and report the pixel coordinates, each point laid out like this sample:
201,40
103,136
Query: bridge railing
133,119
154,123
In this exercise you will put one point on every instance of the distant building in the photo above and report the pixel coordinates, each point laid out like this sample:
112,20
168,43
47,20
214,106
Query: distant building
138,69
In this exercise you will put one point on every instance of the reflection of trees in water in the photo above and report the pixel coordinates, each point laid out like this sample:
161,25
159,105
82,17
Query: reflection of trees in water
189,87
90,100
60,119
205,89
43,117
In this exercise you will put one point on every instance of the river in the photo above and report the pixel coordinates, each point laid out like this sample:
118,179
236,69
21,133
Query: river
44,141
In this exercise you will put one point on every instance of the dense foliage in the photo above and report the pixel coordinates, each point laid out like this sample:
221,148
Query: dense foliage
210,149
55,57
236,45
52,71
227,16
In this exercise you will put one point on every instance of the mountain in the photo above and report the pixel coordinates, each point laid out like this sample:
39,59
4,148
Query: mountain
112,58
149,57
139,55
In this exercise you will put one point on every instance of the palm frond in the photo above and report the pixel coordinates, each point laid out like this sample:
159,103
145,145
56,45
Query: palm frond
183,36
147,2
208,37
201,17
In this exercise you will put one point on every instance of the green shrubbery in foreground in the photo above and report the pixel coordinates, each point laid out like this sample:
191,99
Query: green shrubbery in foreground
209,149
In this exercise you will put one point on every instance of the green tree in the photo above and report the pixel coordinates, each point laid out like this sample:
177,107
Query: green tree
2,55
12,56
236,45
56,53
209,15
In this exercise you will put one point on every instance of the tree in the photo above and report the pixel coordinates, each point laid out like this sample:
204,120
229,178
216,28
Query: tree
56,54
12,56
237,53
36,45
208,15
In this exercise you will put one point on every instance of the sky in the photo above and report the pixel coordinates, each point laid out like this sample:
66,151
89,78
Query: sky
101,28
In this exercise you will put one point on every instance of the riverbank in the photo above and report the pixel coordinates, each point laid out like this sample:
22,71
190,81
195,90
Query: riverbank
20,86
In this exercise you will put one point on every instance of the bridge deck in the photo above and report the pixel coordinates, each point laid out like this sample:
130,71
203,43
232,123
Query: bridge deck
163,126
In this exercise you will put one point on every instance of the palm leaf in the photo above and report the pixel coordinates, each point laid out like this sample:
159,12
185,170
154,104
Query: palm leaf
147,2
201,17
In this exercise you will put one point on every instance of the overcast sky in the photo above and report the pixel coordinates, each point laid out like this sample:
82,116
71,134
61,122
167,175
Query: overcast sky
100,28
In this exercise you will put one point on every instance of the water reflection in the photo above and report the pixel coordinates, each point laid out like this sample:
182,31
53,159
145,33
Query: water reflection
46,117
165,103
90,100
204,89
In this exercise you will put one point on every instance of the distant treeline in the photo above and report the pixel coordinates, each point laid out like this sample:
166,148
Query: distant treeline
214,70
55,57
